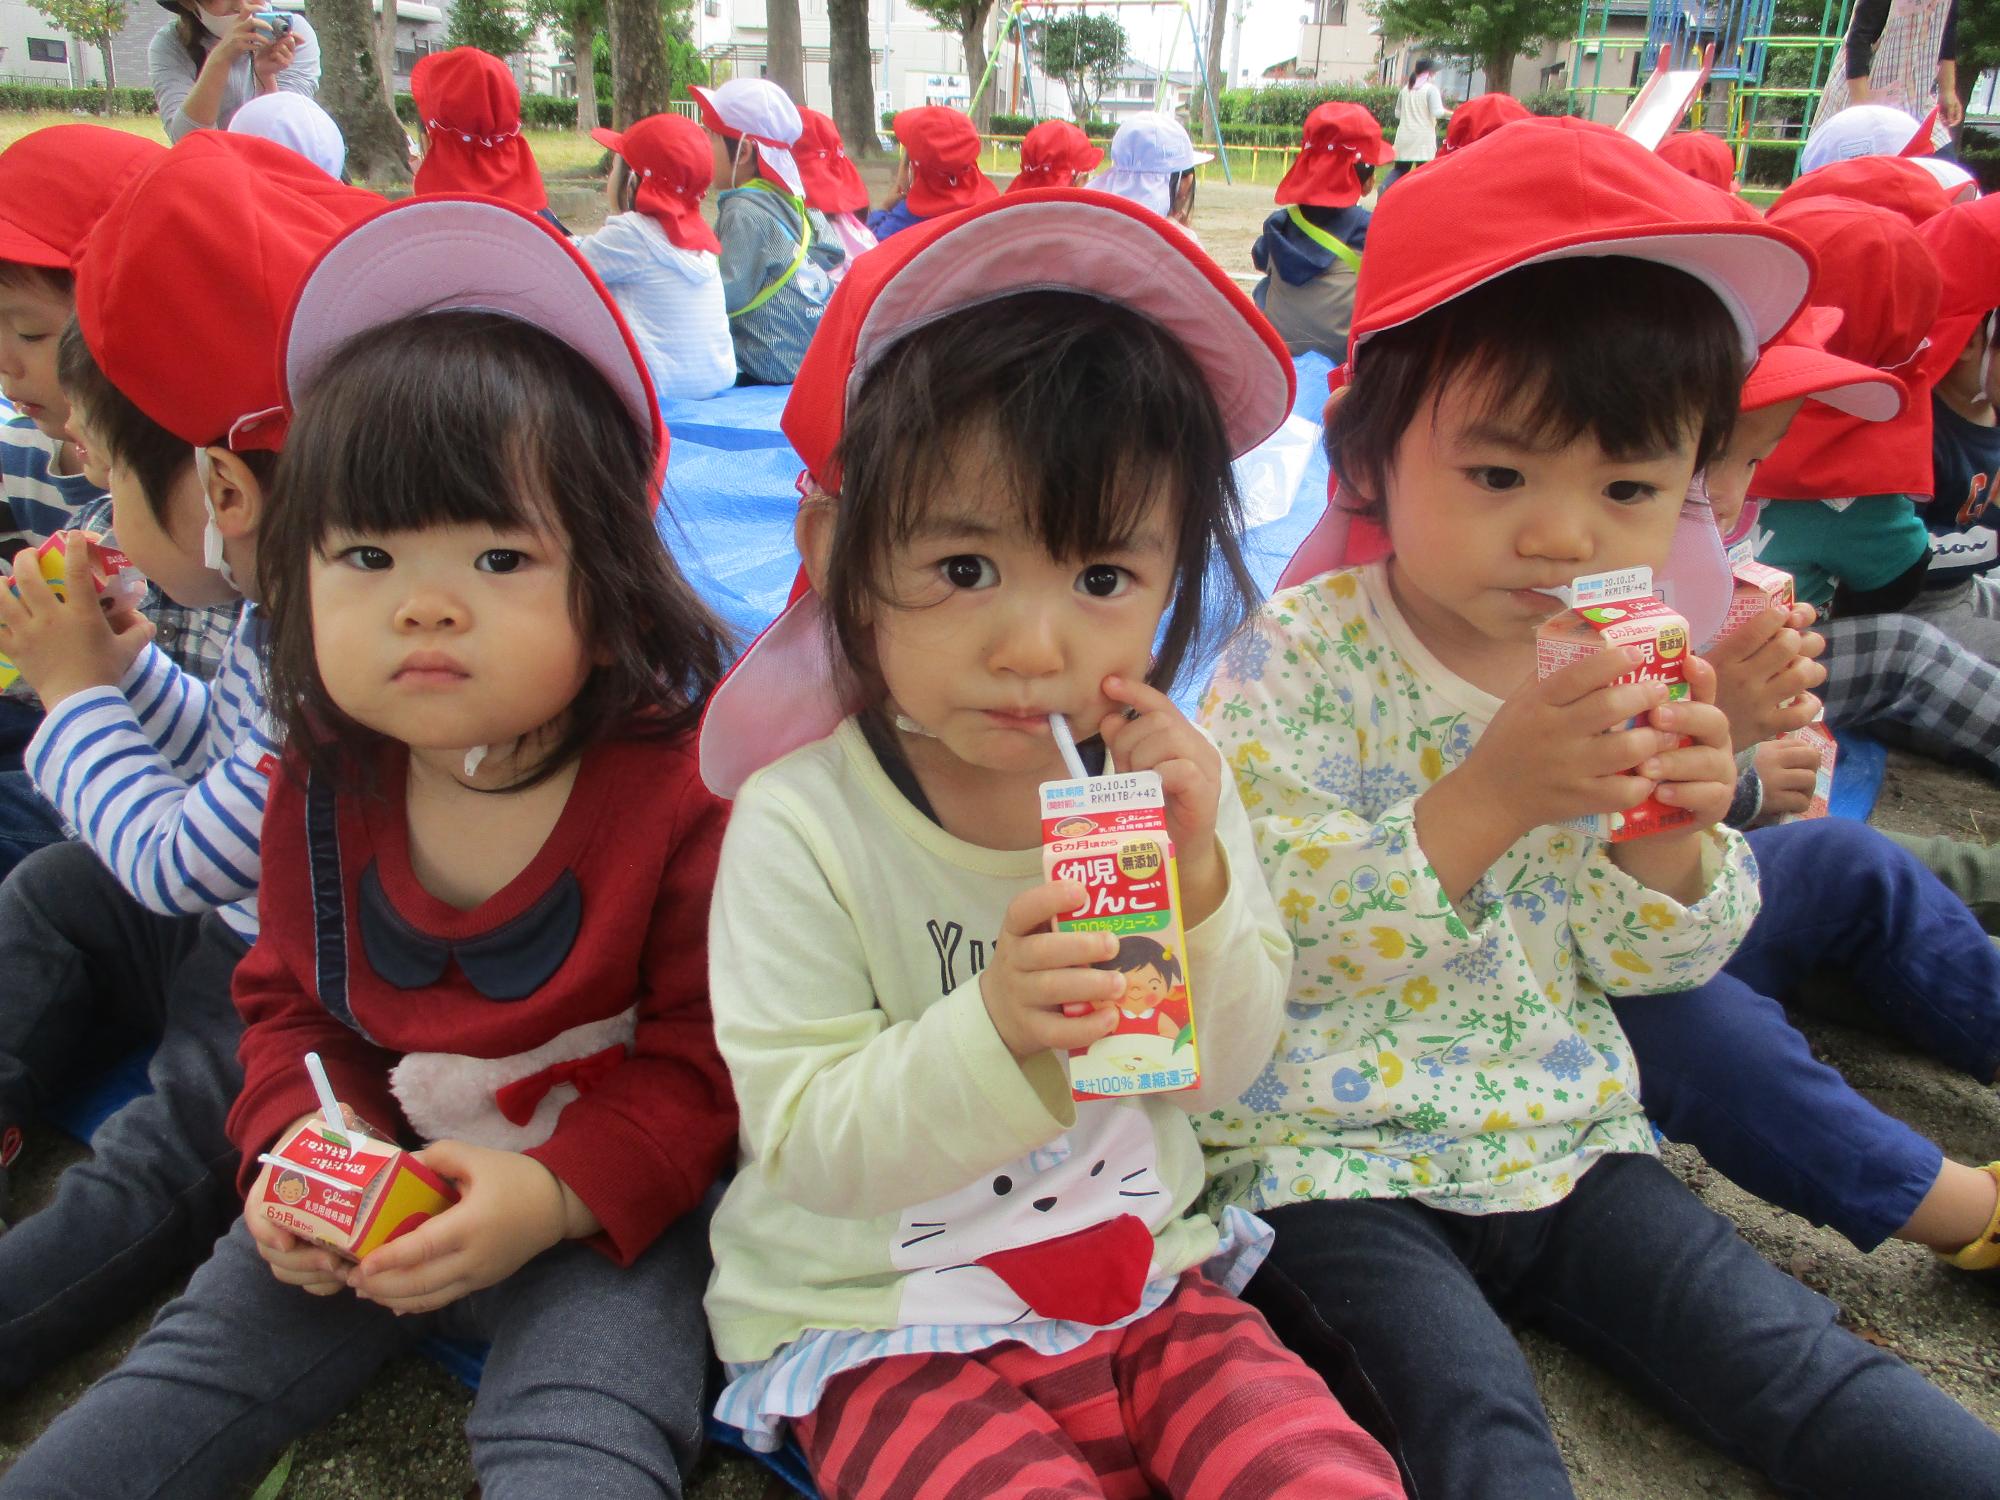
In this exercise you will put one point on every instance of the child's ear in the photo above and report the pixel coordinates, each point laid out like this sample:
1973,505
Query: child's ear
235,494
813,531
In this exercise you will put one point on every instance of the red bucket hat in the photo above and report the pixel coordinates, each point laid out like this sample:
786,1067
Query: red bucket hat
198,352
1704,157
1796,363
423,255
833,182
786,691
1338,138
943,148
1964,240
669,155
1892,182
1548,189
1055,154
1878,272
55,184
1479,117
471,109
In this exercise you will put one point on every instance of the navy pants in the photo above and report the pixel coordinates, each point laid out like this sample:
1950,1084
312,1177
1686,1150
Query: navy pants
87,974
1633,1271
1723,1069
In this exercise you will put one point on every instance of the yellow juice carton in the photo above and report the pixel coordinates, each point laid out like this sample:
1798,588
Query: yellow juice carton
1609,611
353,1198
110,572
1109,834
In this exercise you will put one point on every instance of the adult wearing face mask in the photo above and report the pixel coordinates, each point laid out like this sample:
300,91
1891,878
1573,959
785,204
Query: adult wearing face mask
217,55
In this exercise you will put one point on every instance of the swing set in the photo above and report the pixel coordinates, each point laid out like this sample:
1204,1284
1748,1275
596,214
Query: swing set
1019,18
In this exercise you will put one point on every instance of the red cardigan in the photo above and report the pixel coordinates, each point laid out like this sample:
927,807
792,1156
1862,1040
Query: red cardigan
615,915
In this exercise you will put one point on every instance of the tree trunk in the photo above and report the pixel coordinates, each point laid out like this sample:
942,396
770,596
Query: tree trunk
1199,125
851,69
1498,65
638,61
350,89
583,47
785,48
110,68
385,48
973,40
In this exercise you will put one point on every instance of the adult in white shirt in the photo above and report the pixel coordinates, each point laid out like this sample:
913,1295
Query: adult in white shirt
1419,107
217,55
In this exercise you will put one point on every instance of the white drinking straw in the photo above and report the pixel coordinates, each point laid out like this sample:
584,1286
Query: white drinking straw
1066,744
328,1105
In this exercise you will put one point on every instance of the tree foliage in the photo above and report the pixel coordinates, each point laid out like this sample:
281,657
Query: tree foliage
1085,52
1493,31
501,27
92,22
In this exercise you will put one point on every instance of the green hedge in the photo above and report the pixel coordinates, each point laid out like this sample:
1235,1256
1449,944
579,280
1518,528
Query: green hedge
22,97
1288,104
538,111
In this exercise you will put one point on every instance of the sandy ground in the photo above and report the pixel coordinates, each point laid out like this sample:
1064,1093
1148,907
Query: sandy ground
402,1437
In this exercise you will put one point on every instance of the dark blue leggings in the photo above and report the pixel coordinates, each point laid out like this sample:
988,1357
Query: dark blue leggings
1722,1068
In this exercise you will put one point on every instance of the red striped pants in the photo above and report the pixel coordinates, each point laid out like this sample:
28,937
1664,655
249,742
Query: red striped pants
1196,1400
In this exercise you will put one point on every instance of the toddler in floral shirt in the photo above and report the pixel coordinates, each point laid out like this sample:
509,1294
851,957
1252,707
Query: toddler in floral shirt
1449,1132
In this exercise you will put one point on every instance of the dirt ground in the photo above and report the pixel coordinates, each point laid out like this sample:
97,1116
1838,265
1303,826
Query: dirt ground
403,1438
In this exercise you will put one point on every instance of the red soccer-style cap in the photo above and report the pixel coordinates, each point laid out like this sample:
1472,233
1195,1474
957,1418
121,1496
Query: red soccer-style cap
1796,363
1964,240
426,255
1479,117
1876,269
1893,182
1702,156
1055,154
55,184
832,181
943,147
1542,190
670,157
194,349
786,691
471,109
1338,139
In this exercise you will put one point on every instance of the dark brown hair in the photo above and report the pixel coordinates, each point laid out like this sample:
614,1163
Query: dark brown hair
473,418
625,185
1091,408
1630,351
51,279
156,457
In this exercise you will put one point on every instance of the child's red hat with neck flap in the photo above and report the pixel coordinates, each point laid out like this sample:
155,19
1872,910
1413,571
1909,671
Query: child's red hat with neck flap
55,184
787,690
194,349
1543,190
1877,270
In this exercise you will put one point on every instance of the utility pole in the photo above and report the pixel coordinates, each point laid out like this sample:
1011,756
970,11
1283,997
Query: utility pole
1236,46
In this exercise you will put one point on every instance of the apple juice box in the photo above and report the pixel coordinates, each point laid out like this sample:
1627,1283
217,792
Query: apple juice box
1109,834
1761,588
1610,611
352,1199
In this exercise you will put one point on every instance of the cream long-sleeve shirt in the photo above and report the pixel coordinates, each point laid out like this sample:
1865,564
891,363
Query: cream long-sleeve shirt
1466,1055
899,1165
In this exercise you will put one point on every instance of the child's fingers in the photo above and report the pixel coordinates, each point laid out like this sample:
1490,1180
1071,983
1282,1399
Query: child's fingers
1580,679
1748,638
1042,951
1144,744
434,1240
1622,749
1052,1031
1789,755
1033,910
1056,989
1700,680
1703,723
1803,617
1608,708
1690,763
1139,695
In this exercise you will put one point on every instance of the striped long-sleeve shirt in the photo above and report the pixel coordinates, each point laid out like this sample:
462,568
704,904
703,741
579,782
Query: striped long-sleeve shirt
166,776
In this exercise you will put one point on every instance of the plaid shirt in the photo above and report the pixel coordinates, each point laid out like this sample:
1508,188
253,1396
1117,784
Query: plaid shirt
195,639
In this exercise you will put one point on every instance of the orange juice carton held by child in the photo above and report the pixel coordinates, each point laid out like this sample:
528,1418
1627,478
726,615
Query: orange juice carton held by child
1760,589
110,572
1608,612
347,1192
1109,834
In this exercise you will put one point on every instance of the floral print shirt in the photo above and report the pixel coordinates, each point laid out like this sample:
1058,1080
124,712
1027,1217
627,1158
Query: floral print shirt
1463,1055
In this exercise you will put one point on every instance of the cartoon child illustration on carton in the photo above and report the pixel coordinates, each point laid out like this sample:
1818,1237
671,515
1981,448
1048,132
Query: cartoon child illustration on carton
1155,1002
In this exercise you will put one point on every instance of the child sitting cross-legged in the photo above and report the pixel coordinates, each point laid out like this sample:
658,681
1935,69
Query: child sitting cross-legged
1448,1133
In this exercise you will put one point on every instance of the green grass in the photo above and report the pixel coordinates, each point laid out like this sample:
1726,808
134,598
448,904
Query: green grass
560,153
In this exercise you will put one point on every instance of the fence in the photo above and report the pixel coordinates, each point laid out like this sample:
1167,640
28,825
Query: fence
1001,156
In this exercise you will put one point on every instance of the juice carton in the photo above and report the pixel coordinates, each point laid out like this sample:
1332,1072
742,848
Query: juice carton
352,1199
1759,589
1820,738
1609,611
1109,834
110,572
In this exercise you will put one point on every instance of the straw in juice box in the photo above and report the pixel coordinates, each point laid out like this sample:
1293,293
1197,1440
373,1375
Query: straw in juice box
1610,611
351,1198
1109,834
